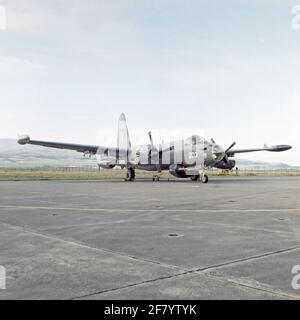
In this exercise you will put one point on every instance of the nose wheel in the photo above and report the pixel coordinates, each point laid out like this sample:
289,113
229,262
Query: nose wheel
204,178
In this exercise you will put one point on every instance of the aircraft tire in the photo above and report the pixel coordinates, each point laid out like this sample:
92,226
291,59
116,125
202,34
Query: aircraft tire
204,178
130,175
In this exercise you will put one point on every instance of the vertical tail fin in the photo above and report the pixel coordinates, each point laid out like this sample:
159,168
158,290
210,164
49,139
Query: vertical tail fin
123,142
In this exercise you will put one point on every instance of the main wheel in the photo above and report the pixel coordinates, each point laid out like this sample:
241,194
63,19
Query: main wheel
130,175
155,178
195,178
204,178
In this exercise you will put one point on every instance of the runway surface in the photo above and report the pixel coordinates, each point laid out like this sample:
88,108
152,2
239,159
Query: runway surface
234,238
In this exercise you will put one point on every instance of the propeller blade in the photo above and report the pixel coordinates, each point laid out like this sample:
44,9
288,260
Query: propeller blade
154,153
151,140
212,140
231,146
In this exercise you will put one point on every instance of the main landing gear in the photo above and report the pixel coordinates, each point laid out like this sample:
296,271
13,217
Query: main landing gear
155,177
130,174
203,177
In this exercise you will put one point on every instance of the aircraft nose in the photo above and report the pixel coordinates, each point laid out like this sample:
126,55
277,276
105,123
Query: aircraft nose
218,153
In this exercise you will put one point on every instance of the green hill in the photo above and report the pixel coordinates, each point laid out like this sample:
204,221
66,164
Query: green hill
13,155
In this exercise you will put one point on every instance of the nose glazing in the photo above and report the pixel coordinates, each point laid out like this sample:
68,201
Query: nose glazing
218,153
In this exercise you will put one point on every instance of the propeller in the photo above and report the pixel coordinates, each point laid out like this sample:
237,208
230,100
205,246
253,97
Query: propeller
225,152
225,159
154,152
151,141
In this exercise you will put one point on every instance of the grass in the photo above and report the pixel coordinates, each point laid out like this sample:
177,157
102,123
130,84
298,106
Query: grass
67,174
81,174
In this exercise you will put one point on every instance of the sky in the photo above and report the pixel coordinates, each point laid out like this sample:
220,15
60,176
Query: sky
231,69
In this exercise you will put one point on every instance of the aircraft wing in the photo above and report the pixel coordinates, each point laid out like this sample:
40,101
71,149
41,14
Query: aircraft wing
61,145
277,148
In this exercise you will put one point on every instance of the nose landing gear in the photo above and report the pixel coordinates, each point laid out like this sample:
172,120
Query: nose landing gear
204,178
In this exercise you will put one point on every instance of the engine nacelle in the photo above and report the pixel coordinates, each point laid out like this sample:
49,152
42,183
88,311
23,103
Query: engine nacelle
106,162
106,165
225,165
177,171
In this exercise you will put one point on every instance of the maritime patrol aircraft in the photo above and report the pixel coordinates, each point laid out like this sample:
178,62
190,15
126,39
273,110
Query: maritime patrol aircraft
185,158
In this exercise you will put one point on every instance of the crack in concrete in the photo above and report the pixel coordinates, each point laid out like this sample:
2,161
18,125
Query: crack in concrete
259,286
255,257
131,285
